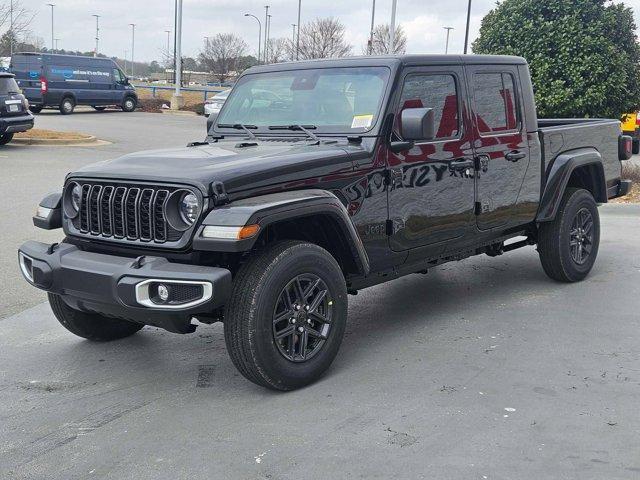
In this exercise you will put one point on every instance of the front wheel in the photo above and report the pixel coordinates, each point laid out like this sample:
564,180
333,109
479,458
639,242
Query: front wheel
286,318
6,138
568,246
129,104
91,326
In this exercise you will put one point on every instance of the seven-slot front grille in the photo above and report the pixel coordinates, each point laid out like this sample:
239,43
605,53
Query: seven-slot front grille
125,212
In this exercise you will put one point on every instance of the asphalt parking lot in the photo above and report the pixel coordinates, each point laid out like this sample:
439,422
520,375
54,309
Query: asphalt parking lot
483,369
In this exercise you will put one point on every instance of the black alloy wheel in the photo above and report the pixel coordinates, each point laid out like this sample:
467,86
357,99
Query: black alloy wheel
581,236
302,318
568,245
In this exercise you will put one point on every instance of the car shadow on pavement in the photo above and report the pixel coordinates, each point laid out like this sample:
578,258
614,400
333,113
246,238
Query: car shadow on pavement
391,313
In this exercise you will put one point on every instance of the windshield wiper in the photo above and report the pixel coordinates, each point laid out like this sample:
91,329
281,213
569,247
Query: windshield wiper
302,128
240,126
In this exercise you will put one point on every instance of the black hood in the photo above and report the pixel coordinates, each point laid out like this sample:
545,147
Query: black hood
238,167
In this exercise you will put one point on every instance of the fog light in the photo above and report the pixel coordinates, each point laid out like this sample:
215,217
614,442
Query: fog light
163,293
26,266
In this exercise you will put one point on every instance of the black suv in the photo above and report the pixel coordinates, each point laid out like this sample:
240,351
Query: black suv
348,174
14,109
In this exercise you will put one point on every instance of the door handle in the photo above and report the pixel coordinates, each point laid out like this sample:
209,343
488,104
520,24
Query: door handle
461,164
515,155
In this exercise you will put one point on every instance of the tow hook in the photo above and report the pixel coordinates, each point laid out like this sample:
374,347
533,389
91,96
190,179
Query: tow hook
138,262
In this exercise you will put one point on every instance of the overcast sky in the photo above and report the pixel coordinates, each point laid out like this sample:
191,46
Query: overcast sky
423,21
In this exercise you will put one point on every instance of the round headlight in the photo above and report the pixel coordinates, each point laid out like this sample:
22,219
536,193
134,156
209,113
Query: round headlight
189,208
76,197
72,199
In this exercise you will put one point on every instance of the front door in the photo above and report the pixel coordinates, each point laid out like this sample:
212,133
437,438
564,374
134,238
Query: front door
501,143
431,186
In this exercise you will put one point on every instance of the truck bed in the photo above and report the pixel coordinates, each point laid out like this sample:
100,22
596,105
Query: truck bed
559,135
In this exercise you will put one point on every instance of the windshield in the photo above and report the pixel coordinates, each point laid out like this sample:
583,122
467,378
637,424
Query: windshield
329,100
8,85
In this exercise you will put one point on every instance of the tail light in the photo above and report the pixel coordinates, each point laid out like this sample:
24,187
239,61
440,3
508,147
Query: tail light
638,118
44,86
625,147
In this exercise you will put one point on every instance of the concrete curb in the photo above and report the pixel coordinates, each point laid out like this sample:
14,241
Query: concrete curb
90,139
179,112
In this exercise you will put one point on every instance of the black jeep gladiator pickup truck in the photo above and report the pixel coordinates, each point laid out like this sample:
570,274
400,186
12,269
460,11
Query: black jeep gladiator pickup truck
317,179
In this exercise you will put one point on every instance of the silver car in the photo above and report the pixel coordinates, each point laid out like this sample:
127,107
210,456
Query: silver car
214,104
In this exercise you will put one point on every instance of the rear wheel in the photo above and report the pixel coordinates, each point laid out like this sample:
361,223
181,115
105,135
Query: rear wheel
568,246
287,315
67,106
98,109
35,109
91,326
129,104
6,138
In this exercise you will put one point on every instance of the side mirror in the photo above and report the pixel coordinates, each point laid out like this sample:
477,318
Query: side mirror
418,124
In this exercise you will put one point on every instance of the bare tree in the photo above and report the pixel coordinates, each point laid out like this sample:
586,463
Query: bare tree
221,54
323,38
15,19
382,41
279,50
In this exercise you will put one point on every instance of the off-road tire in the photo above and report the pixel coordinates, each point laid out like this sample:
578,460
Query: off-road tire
129,104
67,106
554,238
91,326
6,138
248,318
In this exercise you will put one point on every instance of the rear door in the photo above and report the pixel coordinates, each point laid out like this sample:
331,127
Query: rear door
431,193
501,146
28,72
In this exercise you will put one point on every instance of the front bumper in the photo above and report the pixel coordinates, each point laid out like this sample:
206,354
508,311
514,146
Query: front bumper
118,286
16,124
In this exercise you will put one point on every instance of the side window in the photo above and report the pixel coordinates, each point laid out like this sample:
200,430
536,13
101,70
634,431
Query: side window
438,92
118,76
495,102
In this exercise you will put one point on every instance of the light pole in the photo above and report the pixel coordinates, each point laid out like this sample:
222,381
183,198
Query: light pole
11,27
293,40
266,33
133,44
95,53
266,46
176,100
373,20
56,40
392,30
298,38
466,34
259,32
52,40
446,48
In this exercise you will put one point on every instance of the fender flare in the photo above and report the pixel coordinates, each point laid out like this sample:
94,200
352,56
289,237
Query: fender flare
558,175
272,208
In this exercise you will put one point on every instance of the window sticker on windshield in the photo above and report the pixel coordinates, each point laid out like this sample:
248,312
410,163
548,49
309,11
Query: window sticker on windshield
362,121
